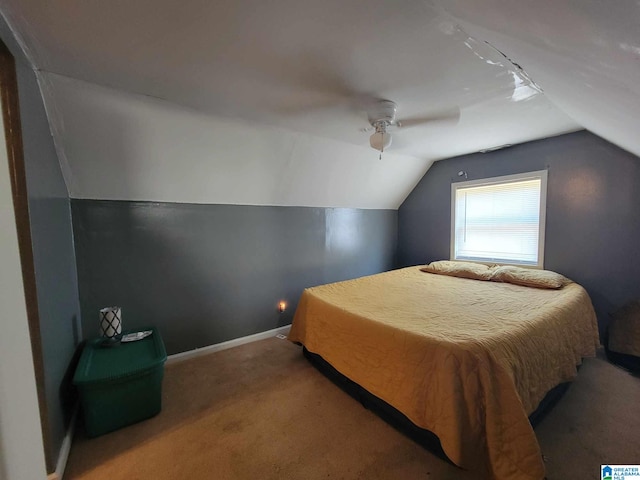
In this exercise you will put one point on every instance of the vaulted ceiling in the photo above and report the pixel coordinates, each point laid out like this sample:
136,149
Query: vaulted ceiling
254,102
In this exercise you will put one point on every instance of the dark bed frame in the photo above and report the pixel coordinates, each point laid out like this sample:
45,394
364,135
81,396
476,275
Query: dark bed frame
399,421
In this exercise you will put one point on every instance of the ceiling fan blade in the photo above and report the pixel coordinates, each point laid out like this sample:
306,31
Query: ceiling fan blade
293,107
353,103
445,118
315,83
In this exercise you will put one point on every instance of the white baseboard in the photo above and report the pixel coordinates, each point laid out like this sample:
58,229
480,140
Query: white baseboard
68,438
63,456
178,357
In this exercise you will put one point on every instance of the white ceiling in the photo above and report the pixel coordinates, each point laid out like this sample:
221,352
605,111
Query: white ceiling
584,53
255,102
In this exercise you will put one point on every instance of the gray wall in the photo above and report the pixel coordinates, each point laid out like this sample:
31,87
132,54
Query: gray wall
53,251
205,274
593,219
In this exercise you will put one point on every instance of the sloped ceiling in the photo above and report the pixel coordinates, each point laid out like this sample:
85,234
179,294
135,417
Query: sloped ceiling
254,102
585,55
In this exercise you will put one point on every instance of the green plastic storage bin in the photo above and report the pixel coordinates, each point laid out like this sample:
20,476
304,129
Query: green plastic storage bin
120,385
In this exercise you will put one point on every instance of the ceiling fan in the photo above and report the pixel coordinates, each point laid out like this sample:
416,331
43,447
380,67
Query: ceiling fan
381,114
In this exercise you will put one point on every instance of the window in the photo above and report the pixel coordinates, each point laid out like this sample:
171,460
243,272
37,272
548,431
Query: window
500,220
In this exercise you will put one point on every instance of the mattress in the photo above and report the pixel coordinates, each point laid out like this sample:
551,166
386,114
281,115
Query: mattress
466,359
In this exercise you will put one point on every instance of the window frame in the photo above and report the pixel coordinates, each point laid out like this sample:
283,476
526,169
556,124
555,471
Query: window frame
535,175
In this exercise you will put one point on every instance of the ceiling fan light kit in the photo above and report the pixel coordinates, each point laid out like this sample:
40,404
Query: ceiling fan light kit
381,115
380,140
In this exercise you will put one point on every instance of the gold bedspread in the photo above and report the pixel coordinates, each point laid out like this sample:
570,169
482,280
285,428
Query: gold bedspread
468,360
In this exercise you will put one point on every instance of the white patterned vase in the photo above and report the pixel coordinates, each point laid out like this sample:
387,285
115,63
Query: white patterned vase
110,322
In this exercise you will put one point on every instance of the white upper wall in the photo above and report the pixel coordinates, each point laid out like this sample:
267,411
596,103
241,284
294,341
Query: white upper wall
261,102
121,146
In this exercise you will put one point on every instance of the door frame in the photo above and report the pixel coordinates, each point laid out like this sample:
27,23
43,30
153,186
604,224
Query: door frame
15,153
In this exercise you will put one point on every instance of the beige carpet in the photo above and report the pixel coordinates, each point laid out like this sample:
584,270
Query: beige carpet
261,411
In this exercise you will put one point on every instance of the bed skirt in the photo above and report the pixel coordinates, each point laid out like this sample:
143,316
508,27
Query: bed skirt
399,421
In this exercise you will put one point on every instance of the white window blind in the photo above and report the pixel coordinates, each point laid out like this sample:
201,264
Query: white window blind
500,219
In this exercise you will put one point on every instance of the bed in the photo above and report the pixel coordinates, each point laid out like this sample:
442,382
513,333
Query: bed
467,359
